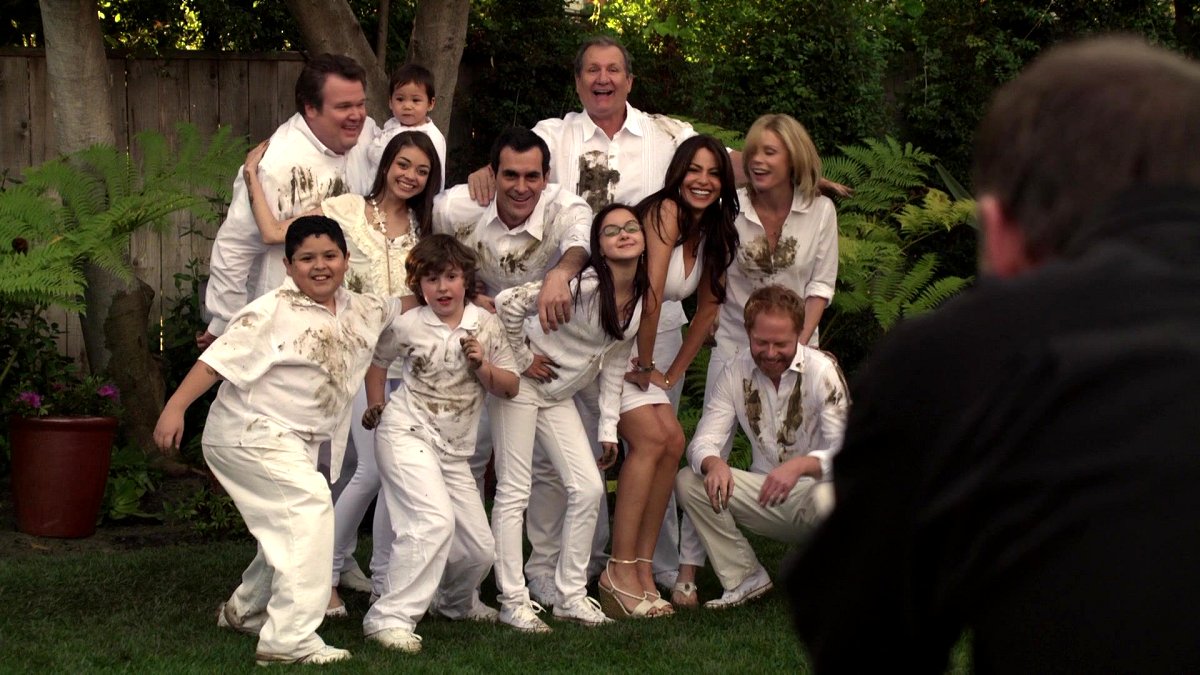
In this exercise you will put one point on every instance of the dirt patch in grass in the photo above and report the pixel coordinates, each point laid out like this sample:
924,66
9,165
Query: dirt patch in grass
125,535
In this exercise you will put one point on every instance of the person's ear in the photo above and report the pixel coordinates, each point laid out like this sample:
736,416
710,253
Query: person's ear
1003,251
432,102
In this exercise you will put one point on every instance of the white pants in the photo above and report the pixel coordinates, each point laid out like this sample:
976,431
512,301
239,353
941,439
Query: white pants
440,532
351,505
555,426
733,559
286,505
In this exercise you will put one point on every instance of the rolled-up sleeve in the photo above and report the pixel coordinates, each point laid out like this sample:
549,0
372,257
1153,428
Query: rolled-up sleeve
513,305
716,423
825,265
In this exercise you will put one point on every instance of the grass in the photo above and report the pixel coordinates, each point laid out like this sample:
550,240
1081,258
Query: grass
153,610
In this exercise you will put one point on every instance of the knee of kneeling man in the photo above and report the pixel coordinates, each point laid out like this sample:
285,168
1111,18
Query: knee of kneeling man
689,486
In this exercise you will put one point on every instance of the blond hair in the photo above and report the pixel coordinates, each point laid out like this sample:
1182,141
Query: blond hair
802,154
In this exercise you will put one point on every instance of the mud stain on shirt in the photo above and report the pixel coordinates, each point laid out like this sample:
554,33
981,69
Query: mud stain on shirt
759,260
597,182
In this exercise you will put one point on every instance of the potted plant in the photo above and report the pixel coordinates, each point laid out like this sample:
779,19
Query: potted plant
61,428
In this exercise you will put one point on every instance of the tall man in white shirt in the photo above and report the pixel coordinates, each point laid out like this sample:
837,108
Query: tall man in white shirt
609,152
311,157
791,401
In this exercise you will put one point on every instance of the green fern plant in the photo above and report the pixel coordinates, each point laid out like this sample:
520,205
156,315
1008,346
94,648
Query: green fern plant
892,210
83,207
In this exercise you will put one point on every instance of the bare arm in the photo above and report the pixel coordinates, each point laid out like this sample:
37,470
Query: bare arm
169,429
698,331
374,383
814,307
661,230
497,381
554,300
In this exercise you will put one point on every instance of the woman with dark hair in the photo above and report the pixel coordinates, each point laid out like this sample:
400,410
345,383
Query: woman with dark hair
690,241
380,230
597,342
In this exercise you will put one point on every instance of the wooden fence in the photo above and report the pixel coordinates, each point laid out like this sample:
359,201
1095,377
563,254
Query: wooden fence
252,93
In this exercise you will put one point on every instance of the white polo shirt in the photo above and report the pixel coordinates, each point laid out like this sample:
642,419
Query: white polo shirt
806,416
441,397
291,367
511,257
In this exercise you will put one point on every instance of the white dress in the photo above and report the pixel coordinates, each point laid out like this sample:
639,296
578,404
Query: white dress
678,286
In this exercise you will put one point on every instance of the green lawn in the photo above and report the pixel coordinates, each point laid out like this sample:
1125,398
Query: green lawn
153,610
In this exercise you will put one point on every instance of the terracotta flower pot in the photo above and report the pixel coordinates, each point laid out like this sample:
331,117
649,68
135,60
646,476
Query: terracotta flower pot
59,469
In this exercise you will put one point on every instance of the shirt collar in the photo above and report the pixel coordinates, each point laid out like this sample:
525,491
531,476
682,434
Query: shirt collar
535,224
632,123
469,321
301,125
799,205
341,297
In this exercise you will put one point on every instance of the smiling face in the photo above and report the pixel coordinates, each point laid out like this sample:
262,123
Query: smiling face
603,84
318,267
702,183
621,237
408,174
444,291
519,184
773,343
339,120
769,164
410,104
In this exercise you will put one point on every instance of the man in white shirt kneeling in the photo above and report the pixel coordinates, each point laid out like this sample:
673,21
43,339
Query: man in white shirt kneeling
791,401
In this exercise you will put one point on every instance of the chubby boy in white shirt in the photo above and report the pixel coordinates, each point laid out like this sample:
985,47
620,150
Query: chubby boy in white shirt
291,362
454,354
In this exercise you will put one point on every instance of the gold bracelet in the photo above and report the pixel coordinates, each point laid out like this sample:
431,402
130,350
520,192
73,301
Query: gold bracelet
667,380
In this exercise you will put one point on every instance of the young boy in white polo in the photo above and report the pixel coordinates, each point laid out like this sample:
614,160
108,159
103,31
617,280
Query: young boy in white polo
291,361
454,354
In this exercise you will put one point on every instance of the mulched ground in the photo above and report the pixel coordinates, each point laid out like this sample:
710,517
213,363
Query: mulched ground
108,538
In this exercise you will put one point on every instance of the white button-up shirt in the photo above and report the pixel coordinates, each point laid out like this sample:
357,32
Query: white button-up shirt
805,416
626,168
291,367
580,347
805,260
441,398
297,173
390,129
511,257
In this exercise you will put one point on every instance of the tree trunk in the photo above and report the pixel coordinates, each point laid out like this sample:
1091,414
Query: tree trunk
438,37
116,324
330,26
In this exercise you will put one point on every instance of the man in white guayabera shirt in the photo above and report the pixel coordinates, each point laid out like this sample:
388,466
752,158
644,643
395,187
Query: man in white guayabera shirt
791,401
320,152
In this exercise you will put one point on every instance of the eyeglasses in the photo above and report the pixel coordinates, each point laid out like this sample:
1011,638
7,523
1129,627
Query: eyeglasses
632,227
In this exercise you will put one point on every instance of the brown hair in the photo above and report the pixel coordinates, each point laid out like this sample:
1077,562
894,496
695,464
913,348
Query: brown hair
310,85
776,300
433,255
1083,124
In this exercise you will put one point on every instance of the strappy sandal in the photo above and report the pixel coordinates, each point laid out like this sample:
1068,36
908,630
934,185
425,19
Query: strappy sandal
684,595
659,606
612,605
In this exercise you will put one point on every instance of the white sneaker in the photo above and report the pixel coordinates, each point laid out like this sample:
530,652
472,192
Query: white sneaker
355,580
524,618
320,657
227,619
339,612
543,591
398,639
752,588
584,611
479,612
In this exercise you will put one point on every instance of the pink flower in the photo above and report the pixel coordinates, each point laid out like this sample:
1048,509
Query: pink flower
30,398
109,391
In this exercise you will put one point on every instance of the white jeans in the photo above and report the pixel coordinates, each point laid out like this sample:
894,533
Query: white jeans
516,424
351,505
440,532
286,505
733,559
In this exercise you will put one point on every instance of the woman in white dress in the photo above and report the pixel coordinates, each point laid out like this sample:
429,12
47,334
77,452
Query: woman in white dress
690,240
380,230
